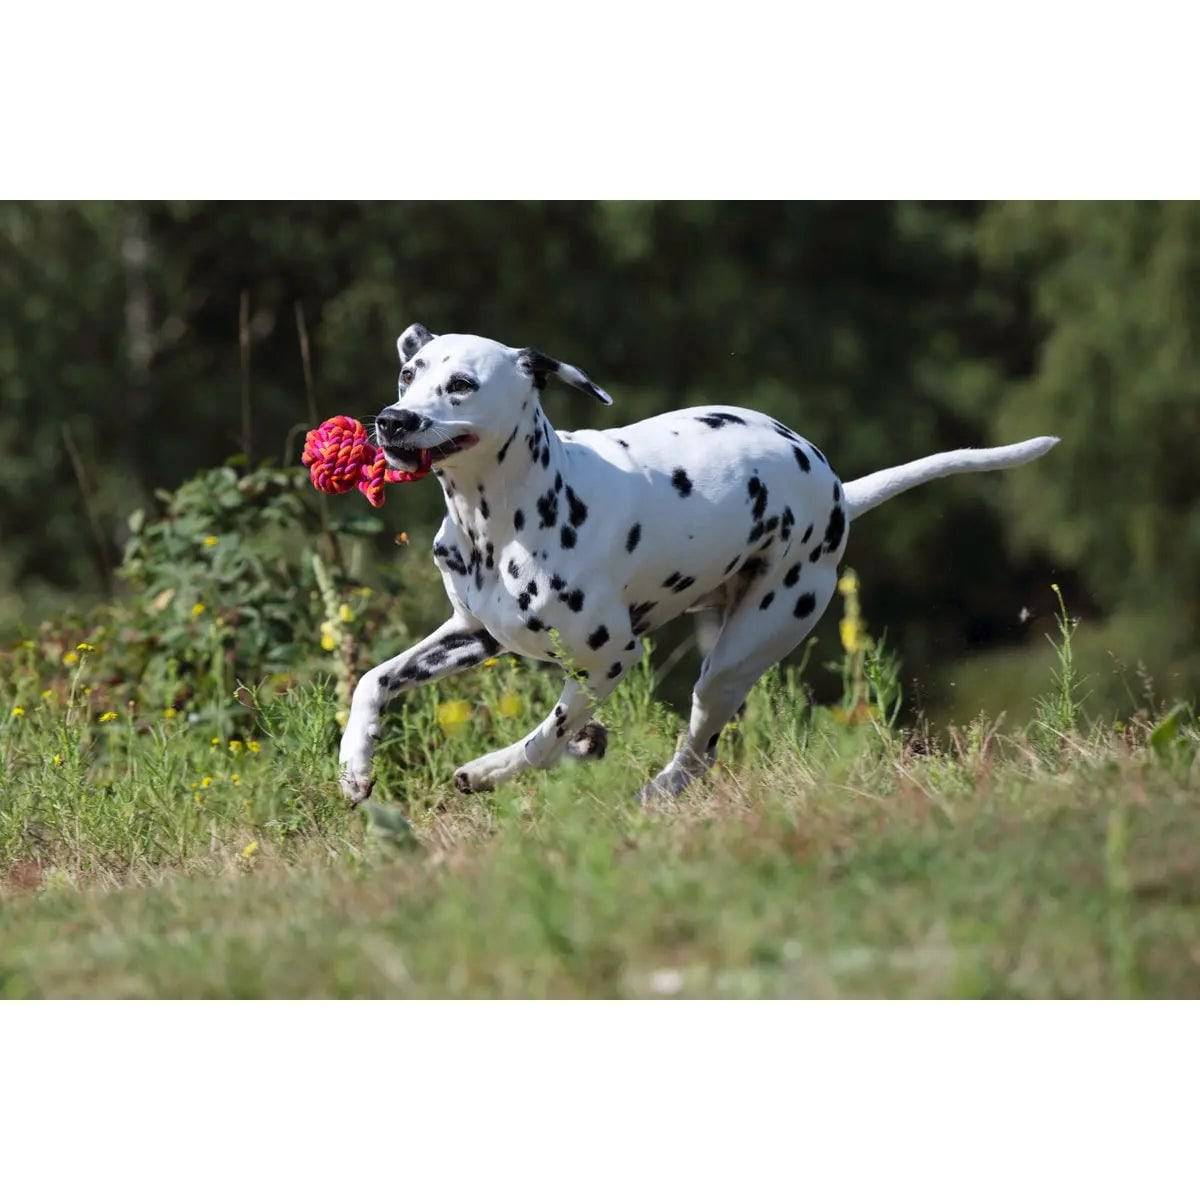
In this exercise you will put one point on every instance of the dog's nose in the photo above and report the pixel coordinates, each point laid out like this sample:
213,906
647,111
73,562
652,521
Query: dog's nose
394,423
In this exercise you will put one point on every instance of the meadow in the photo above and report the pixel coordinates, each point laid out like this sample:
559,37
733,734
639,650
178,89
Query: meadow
170,822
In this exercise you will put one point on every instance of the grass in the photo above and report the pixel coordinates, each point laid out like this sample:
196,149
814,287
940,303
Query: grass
829,856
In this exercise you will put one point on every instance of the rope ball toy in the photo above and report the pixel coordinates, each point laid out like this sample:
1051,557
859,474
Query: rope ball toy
339,456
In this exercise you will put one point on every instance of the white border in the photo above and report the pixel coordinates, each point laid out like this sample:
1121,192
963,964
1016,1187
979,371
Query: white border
641,1099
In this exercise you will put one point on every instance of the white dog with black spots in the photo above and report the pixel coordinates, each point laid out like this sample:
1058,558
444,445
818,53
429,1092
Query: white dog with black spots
572,546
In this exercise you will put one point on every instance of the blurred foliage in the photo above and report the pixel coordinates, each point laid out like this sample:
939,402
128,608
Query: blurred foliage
882,331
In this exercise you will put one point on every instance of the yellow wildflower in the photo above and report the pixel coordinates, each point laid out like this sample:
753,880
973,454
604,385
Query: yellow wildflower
511,705
489,663
235,746
17,711
56,760
197,609
345,614
453,715
171,713
85,647
27,645
249,850
211,541
48,694
363,591
199,799
341,717
206,782
214,741
105,717
254,747
235,779
328,638
70,658
852,635
848,584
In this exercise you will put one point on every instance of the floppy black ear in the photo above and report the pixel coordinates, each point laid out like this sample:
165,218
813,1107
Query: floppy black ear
540,366
411,340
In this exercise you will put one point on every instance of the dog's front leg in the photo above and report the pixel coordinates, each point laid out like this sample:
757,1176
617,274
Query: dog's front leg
460,643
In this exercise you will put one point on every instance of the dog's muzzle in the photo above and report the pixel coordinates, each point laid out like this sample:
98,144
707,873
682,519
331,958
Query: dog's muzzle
413,442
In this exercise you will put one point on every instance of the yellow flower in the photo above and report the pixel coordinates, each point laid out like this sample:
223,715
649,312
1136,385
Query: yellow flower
254,747
489,663
17,711
70,658
206,782
171,713
249,850
328,638
235,746
362,591
511,705
27,645
56,760
211,541
48,694
197,609
235,779
214,741
199,799
85,647
453,715
341,717
345,614
105,717
852,635
848,584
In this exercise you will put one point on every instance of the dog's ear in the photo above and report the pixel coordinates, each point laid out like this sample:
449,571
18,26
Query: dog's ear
540,366
411,340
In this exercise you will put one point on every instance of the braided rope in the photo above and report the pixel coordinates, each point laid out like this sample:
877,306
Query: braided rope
339,456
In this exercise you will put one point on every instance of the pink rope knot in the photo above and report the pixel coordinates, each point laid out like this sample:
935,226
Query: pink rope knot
339,457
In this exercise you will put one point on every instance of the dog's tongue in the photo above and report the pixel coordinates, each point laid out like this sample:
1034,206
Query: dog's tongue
424,466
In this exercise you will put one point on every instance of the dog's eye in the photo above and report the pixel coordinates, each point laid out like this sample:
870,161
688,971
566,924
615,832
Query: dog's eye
406,376
462,383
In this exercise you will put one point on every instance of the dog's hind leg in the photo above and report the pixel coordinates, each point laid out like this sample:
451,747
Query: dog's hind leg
460,643
772,617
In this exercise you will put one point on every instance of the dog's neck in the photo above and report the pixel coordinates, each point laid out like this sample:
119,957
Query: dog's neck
486,487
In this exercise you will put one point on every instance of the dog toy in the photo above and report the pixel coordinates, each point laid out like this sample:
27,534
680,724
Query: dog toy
339,457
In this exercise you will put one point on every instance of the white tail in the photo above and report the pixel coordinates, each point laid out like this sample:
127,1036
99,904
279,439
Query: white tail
864,494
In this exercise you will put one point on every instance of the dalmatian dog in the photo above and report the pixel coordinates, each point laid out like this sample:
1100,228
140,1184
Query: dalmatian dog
572,546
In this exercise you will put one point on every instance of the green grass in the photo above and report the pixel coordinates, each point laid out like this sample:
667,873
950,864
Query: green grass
825,858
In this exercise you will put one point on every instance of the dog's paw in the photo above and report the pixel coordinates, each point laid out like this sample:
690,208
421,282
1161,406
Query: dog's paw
356,785
590,742
483,774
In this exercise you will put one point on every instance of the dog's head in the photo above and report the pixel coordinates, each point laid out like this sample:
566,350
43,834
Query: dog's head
458,391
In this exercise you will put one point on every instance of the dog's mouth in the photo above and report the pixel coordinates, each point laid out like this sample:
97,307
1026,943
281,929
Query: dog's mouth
420,459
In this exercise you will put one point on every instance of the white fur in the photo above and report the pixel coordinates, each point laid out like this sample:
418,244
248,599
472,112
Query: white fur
603,536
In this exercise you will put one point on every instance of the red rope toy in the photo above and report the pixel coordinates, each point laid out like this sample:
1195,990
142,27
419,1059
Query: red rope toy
339,457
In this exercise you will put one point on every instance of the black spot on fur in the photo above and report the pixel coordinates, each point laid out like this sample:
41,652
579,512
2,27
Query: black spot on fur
816,553
567,537
784,431
733,562
637,616
513,569
635,536
753,567
756,532
534,625
518,519
766,600
523,601
818,453
680,482
804,606
484,511
807,534
793,575
614,670
802,459
504,449
545,457
557,583
598,637
837,491
835,529
547,506
573,600
623,442
576,509
760,499
631,646
717,419
683,585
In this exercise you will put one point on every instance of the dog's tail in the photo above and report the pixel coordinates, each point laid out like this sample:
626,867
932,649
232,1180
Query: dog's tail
864,494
